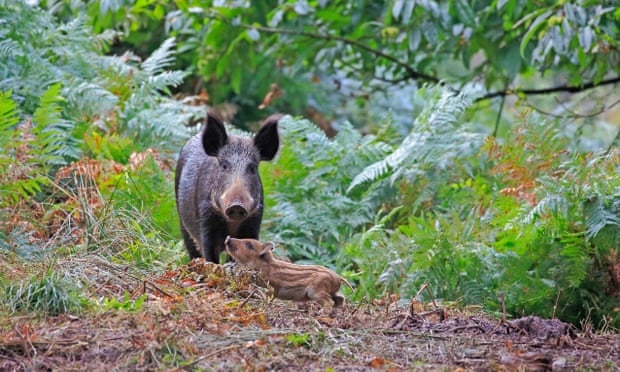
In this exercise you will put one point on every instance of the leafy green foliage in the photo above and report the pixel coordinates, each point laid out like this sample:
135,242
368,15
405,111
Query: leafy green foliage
112,94
146,188
435,140
523,229
32,148
321,52
307,206
38,52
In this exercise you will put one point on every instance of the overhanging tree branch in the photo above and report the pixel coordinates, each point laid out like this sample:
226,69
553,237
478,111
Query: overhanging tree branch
410,72
556,89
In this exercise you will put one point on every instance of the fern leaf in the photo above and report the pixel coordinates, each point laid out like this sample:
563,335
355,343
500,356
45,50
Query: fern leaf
89,99
370,174
161,58
435,138
552,204
9,49
8,113
599,217
165,79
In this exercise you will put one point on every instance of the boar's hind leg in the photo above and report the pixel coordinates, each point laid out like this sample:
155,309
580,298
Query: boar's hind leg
190,244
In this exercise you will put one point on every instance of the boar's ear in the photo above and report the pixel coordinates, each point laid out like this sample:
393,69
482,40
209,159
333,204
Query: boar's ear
214,135
267,140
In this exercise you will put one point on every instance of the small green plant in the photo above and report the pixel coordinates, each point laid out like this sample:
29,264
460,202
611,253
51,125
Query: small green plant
299,339
125,304
50,295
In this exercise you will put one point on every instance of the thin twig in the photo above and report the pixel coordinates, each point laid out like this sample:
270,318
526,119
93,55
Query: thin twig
556,89
499,112
502,299
555,305
613,142
211,354
428,289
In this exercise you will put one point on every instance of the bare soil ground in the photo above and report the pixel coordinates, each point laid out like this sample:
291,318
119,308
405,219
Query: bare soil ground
204,317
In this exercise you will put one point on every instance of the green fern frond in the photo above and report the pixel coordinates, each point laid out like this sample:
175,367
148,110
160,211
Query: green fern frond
577,258
8,113
598,216
161,58
435,139
552,204
89,99
52,131
9,48
165,79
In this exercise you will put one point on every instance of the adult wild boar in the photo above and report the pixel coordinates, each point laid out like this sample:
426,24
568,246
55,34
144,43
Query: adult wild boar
218,189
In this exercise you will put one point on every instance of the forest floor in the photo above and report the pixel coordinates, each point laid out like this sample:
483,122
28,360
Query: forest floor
202,316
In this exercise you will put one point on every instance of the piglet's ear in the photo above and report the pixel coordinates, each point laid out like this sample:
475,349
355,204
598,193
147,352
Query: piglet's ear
265,254
214,135
267,140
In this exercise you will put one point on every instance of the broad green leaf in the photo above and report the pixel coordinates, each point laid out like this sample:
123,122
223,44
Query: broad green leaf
510,59
236,77
465,12
398,7
408,11
534,27
586,38
415,36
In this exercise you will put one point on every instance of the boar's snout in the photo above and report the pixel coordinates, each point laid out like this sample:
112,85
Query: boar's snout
236,211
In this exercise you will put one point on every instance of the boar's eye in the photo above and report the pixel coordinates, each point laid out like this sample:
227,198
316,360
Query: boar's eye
252,168
249,246
225,165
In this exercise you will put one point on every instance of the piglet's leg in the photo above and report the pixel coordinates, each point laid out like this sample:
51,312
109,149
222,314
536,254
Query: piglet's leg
338,300
320,296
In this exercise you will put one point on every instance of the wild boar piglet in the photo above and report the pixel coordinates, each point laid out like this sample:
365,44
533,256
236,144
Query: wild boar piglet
288,280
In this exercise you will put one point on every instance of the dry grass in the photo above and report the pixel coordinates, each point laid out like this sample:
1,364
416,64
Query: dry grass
208,317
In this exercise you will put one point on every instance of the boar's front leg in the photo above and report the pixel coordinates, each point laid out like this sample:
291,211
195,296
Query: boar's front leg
212,235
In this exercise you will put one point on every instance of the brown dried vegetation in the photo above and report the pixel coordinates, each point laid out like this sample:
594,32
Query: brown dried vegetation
204,316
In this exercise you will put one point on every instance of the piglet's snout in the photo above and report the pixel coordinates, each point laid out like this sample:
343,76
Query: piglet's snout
229,246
